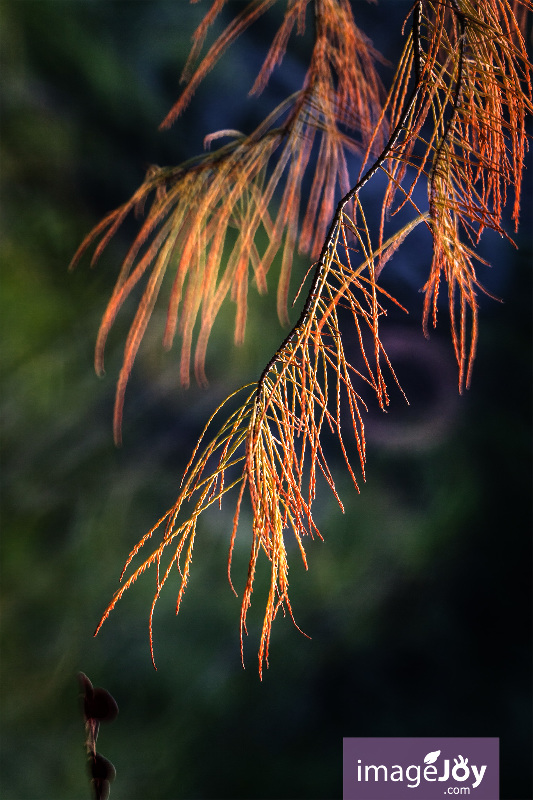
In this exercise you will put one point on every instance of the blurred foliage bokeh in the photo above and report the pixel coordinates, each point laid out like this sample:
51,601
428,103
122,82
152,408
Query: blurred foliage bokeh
417,602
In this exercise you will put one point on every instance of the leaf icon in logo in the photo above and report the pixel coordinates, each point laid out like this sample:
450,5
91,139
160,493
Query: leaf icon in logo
431,757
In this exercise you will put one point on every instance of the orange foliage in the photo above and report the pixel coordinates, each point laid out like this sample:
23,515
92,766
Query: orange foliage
456,120
194,206
275,435
465,137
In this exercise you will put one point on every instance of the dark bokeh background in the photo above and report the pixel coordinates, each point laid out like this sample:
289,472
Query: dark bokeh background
417,602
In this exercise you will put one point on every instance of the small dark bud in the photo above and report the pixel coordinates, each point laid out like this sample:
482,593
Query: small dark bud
101,706
102,774
98,704
101,768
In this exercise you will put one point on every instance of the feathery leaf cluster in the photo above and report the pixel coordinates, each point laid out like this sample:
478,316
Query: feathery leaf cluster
454,121
194,207
464,136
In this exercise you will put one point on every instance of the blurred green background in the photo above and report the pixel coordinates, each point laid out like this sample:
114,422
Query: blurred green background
417,602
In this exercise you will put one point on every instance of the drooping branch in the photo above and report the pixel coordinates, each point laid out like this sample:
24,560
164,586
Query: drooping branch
204,219
456,112
274,439
466,140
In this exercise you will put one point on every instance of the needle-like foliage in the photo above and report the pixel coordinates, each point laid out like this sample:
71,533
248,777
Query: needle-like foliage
204,217
454,121
464,135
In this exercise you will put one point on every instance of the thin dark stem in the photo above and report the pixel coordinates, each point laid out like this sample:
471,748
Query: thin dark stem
378,163
456,99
